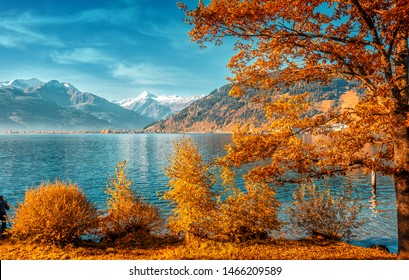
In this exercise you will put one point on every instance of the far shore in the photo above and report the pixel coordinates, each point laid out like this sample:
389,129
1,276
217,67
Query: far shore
104,131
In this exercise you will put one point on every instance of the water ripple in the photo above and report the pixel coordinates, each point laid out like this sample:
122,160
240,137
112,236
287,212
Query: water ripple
89,160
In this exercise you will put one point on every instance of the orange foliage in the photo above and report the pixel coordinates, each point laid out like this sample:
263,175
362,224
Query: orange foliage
201,212
286,41
129,215
249,214
190,191
282,42
56,213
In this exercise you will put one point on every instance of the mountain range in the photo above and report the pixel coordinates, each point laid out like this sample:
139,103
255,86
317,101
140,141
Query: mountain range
219,112
157,107
36,105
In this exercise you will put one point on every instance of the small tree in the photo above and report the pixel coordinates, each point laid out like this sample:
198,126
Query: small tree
190,191
321,213
57,213
249,214
127,213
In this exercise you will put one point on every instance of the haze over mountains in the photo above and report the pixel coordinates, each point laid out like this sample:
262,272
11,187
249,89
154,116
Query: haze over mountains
36,105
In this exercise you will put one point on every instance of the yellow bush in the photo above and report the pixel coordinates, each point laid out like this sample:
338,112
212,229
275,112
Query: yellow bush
323,214
127,213
200,212
249,214
57,213
190,191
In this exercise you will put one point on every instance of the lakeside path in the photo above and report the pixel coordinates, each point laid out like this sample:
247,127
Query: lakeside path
206,250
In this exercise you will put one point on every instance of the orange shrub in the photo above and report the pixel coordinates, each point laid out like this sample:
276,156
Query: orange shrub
57,213
201,212
128,214
190,192
249,214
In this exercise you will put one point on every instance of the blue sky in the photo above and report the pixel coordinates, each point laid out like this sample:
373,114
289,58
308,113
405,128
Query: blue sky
113,48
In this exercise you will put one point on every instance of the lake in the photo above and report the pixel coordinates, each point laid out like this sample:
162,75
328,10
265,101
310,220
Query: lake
90,159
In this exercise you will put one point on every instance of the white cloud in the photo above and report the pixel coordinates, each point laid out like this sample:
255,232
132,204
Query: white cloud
20,31
131,41
82,55
147,73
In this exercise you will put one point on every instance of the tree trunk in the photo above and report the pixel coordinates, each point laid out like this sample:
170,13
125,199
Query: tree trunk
401,140
401,177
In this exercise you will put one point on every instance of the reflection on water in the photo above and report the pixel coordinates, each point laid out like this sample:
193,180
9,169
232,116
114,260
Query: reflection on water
89,160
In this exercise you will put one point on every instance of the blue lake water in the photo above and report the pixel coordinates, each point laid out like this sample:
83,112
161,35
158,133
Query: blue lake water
89,160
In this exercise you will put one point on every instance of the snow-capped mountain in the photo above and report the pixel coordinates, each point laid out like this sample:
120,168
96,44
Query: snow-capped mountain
28,84
32,104
157,107
130,103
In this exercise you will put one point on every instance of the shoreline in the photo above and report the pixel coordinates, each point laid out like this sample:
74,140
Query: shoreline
82,132
163,249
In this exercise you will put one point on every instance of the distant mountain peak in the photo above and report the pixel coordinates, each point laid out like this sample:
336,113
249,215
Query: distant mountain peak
23,83
32,104
70,86
157,107
53,83
145,95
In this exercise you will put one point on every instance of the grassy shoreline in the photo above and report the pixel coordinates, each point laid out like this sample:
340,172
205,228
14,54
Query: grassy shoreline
165,249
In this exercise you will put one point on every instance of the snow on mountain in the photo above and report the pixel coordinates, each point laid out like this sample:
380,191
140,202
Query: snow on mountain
59,105
157,107
146,95
31,84
70,87
24,84
130,103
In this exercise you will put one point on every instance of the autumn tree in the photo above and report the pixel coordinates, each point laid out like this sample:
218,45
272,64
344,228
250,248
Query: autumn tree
128,214
190,192
287,41
247,213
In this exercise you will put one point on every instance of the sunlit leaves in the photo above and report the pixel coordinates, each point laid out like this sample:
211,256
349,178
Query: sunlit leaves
283,42
54,213
231,213
190,191
127,212
313,39
248,214
286,41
